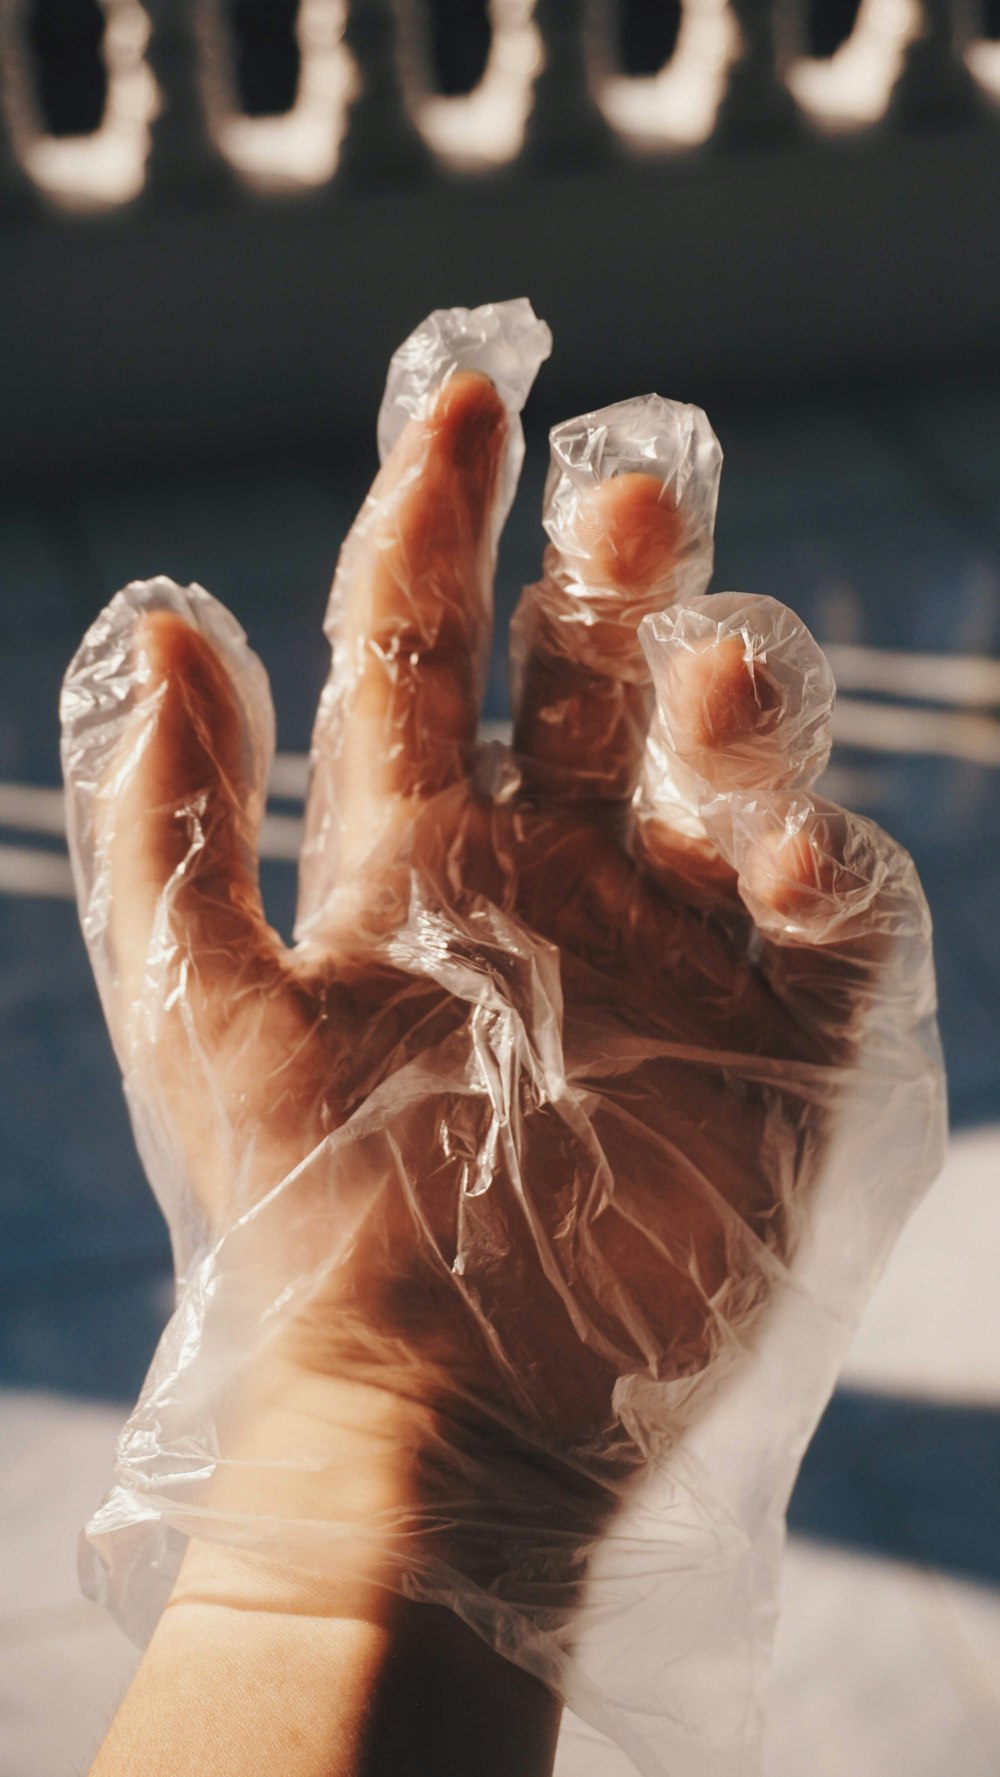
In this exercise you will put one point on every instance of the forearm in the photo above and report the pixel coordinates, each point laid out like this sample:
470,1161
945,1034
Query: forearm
252,1671
258,1669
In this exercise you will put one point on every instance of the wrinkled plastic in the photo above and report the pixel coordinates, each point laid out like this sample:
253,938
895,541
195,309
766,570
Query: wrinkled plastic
633,1071
504,341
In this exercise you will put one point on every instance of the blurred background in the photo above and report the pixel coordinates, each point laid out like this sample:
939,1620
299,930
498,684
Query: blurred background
216,222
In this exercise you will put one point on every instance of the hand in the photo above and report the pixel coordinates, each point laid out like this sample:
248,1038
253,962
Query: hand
492,1174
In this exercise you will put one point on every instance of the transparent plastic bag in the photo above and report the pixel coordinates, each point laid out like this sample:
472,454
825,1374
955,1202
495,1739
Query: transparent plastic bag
568,1142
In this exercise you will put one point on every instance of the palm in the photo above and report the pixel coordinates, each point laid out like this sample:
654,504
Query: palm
531,1108
573,1203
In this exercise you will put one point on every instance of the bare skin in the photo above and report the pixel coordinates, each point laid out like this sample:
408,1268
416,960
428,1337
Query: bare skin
389,1378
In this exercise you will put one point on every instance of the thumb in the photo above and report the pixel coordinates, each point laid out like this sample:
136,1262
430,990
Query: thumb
167,733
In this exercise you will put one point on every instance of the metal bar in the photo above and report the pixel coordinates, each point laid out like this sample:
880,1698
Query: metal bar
566,128
971,680
186,59
19,198
757,109
381,144
935,88
891,728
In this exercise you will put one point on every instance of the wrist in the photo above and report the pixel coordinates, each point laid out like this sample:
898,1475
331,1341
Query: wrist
332,1493
322,1682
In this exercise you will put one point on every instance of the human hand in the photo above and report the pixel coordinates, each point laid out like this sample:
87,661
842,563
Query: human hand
488,1180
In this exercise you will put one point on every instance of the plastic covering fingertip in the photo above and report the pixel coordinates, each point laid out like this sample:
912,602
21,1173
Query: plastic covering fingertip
503,340
767,724
99,695
647,435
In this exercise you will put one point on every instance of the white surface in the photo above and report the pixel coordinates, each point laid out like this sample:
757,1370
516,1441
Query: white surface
873,1675
61,1679
933,1327
63,1663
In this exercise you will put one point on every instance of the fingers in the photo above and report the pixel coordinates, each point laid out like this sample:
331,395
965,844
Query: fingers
845,926
742,730
581,712
167,730
744,694
409,624
410,610
743,701
629,509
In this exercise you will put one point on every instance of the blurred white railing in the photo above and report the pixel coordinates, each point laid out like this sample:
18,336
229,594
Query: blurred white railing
550,95
189,276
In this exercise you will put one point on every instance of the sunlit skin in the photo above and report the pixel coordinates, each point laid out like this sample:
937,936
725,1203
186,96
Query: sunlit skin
389,1379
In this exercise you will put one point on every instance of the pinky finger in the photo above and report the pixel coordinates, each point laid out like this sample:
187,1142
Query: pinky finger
744,696
843,923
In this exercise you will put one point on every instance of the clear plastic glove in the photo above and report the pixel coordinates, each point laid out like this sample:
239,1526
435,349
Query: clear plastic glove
522,1210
